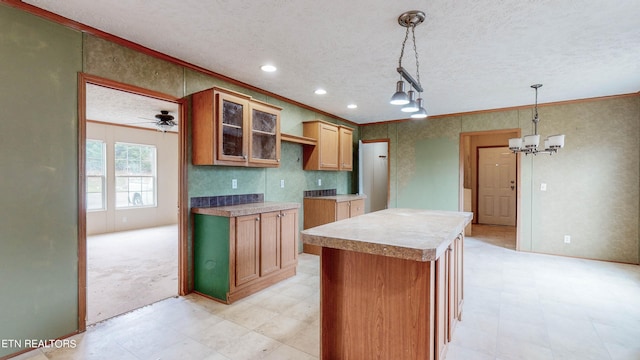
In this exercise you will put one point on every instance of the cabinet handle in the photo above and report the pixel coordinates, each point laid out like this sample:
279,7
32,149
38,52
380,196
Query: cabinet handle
283,215
244,157
278,215
278,160
257,219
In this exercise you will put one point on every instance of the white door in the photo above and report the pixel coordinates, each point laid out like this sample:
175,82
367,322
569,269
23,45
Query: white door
496,186
374,174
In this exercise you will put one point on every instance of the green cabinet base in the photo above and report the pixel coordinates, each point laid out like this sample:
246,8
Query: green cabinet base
211,256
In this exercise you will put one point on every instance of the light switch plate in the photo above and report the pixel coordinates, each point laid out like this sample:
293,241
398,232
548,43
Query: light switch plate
319,182
543,187
234,183
282,183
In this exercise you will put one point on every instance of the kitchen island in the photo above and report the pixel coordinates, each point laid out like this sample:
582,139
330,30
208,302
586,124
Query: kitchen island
391,283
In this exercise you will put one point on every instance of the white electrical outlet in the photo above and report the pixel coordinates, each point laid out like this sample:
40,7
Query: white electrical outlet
567,239
319,182
543,187
234,183
282,183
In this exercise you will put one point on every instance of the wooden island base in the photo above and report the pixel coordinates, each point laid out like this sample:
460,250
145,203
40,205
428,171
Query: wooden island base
385,312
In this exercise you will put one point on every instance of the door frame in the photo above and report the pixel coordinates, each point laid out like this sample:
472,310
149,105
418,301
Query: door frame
183,283
388,141
465,137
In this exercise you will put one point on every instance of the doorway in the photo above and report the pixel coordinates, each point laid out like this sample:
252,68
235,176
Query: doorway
374,173
140,191
469,182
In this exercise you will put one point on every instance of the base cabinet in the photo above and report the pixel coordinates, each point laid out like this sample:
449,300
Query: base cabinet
323,210
237,256
449,295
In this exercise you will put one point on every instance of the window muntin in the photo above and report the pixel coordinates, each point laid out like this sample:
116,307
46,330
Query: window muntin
95,175
135,172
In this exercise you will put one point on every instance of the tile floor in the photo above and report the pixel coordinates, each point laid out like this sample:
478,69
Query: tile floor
517,306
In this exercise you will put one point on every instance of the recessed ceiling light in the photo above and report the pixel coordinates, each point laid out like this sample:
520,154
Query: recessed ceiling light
352,106
320,91
268,68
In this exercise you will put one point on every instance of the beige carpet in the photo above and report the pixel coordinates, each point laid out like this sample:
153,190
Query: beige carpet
130,269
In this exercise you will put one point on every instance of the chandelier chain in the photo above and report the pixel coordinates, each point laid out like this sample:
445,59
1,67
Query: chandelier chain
415,50
406,36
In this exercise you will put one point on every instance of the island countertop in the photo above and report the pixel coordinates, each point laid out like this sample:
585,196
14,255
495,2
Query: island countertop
411,234
244,209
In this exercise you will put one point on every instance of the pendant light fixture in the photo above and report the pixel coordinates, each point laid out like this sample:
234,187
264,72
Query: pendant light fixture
409,20
529,143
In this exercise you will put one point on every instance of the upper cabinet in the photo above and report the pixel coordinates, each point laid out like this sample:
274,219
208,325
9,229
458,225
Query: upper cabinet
334,148
346,148
230,128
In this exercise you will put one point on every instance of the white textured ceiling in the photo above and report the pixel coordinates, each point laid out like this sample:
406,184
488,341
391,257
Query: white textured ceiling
474,55
124,108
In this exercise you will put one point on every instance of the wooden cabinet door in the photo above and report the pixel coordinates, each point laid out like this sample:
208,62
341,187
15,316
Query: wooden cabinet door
458,259
288,238
346,148
356,207
269,242
264,142
232,115
247,258
442,305
342,210
328,142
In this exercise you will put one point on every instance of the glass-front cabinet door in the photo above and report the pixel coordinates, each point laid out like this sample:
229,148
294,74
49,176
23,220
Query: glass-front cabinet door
264,146
232,114
233,129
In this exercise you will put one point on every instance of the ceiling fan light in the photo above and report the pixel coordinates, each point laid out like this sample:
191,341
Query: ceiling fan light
400,97
412,106
421,113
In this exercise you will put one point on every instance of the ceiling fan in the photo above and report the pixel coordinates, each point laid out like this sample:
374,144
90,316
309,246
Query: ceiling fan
164,121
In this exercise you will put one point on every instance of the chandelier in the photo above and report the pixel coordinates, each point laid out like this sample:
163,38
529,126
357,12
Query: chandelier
529,143
410,20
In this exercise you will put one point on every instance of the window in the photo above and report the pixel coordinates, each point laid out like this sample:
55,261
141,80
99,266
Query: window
96,175
135,170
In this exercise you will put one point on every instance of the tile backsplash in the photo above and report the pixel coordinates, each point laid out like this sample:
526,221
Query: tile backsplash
316,193
226,200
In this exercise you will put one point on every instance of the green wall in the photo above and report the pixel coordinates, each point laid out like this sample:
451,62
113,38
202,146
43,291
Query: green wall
39,62
592,184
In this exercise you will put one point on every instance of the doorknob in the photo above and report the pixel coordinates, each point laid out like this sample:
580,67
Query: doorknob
513,187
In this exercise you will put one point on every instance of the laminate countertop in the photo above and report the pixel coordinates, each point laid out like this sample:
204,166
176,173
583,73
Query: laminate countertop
412,234
244,209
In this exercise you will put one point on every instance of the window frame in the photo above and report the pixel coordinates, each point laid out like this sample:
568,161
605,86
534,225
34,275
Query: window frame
102,177
137,194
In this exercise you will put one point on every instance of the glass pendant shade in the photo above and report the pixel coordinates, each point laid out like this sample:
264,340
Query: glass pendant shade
421,113
515,144
556,141
400,97
531,141
412,106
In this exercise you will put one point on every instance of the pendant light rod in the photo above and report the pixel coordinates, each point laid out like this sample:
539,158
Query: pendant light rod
405,75
536,119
